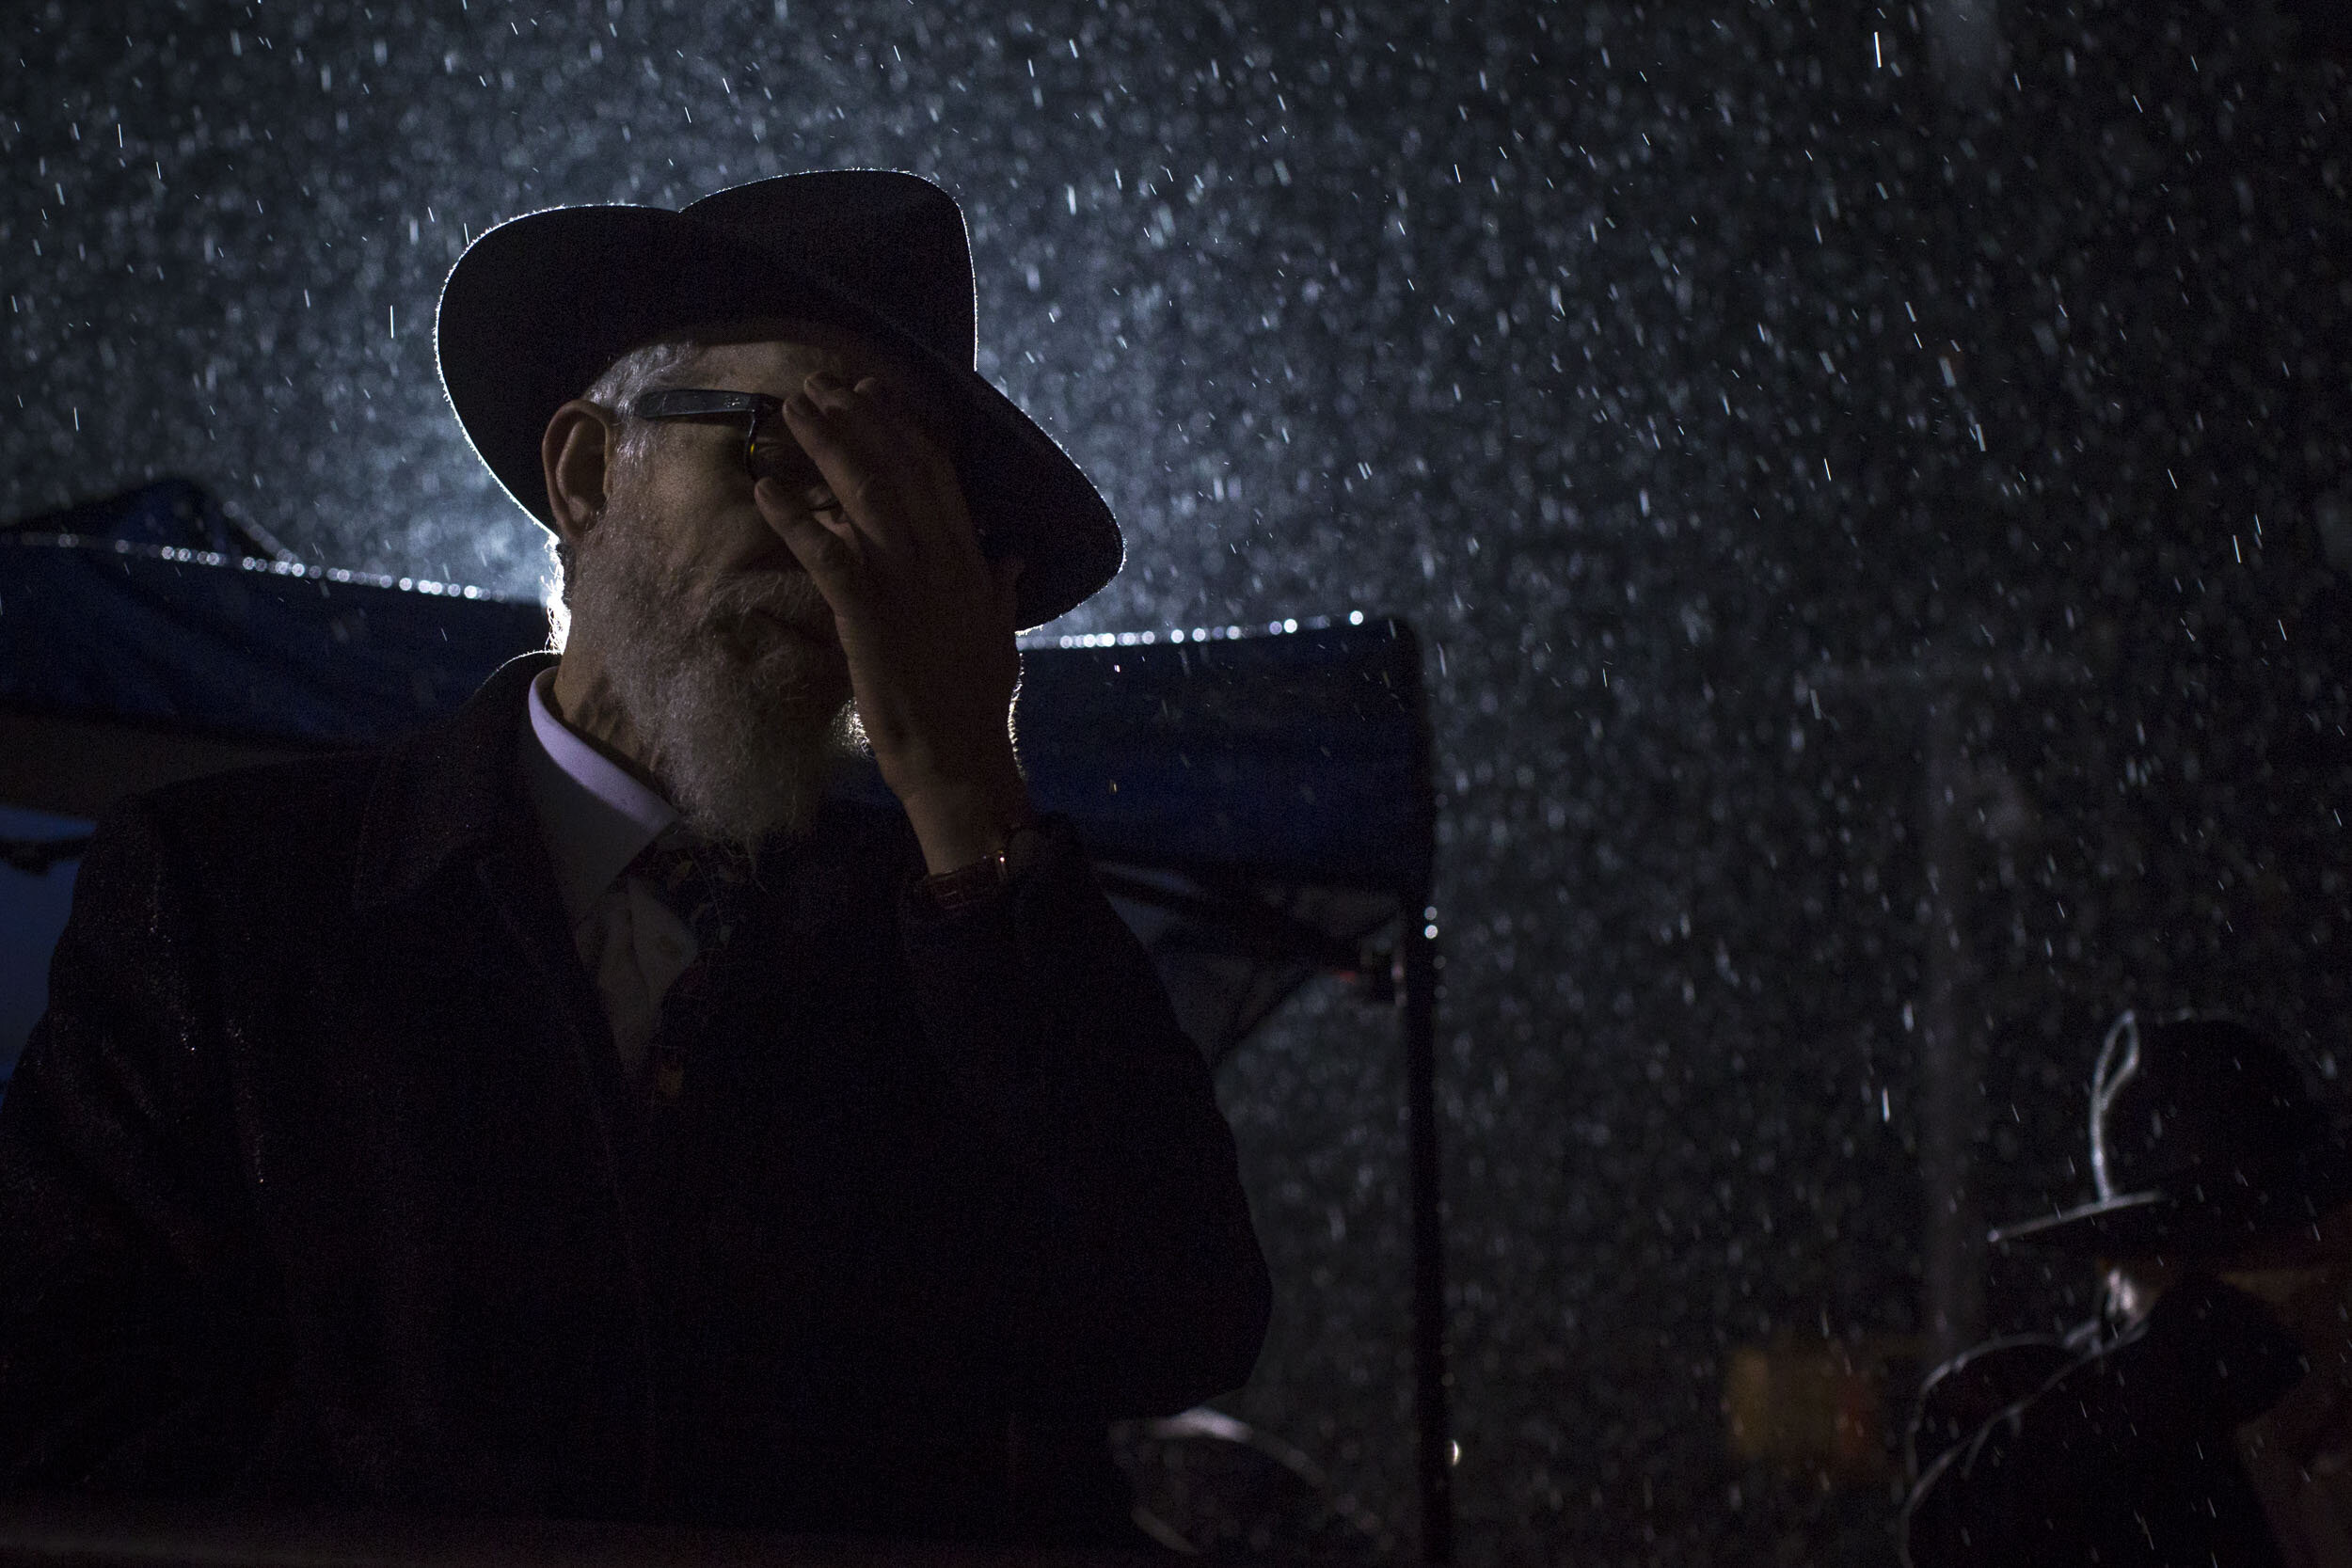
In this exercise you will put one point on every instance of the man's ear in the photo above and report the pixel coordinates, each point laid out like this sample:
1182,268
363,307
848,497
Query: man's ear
576,455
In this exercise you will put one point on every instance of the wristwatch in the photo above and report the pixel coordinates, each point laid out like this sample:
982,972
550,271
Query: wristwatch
967,885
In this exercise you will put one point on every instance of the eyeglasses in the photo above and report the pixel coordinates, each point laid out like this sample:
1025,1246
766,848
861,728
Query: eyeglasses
769,450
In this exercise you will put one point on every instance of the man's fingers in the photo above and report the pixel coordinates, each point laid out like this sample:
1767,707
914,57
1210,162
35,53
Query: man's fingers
831,559
857,475
910,436
870,424
912,499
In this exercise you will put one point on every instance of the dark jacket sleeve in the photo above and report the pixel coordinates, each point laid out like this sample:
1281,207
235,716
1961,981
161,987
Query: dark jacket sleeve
2127,1456
126,1335
1133,1283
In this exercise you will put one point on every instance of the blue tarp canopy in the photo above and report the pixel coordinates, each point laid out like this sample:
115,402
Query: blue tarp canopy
1260,803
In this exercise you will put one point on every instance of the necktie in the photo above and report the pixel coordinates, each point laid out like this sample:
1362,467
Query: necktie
705,885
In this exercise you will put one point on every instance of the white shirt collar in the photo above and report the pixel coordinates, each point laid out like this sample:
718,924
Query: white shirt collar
593,815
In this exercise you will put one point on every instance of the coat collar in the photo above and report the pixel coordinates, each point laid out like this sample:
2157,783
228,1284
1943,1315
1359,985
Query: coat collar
448,789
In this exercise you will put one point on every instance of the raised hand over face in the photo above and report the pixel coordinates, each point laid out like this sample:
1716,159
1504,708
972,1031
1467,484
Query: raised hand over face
925,619
856,549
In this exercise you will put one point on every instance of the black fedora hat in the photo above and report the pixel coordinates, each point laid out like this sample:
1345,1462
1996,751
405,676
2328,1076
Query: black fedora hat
540,306
2203,1141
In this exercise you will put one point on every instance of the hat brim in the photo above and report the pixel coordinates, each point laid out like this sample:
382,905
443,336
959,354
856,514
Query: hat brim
2207,1213
538,306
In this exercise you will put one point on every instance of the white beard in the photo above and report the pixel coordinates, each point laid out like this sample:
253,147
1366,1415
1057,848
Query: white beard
743,721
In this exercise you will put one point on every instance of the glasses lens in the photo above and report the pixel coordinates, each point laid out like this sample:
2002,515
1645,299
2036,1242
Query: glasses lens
775,455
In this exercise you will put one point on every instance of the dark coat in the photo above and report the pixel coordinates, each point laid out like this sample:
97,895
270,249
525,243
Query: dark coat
2127,1456
320,1181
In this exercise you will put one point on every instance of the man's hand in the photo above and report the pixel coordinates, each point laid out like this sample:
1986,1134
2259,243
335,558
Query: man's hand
926,621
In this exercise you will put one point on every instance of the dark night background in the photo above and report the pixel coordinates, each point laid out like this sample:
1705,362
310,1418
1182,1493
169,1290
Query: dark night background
1871,479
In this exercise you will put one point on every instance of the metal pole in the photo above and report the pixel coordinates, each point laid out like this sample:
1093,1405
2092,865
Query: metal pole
1959,797
1950,1093
1418,997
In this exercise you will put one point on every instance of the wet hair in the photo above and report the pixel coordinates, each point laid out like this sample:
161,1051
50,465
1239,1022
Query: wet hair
623,381
631,376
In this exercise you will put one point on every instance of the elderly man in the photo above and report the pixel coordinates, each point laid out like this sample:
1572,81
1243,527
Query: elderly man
582,1109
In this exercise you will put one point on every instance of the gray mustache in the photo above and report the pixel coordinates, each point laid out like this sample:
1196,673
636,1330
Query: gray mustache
787,597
